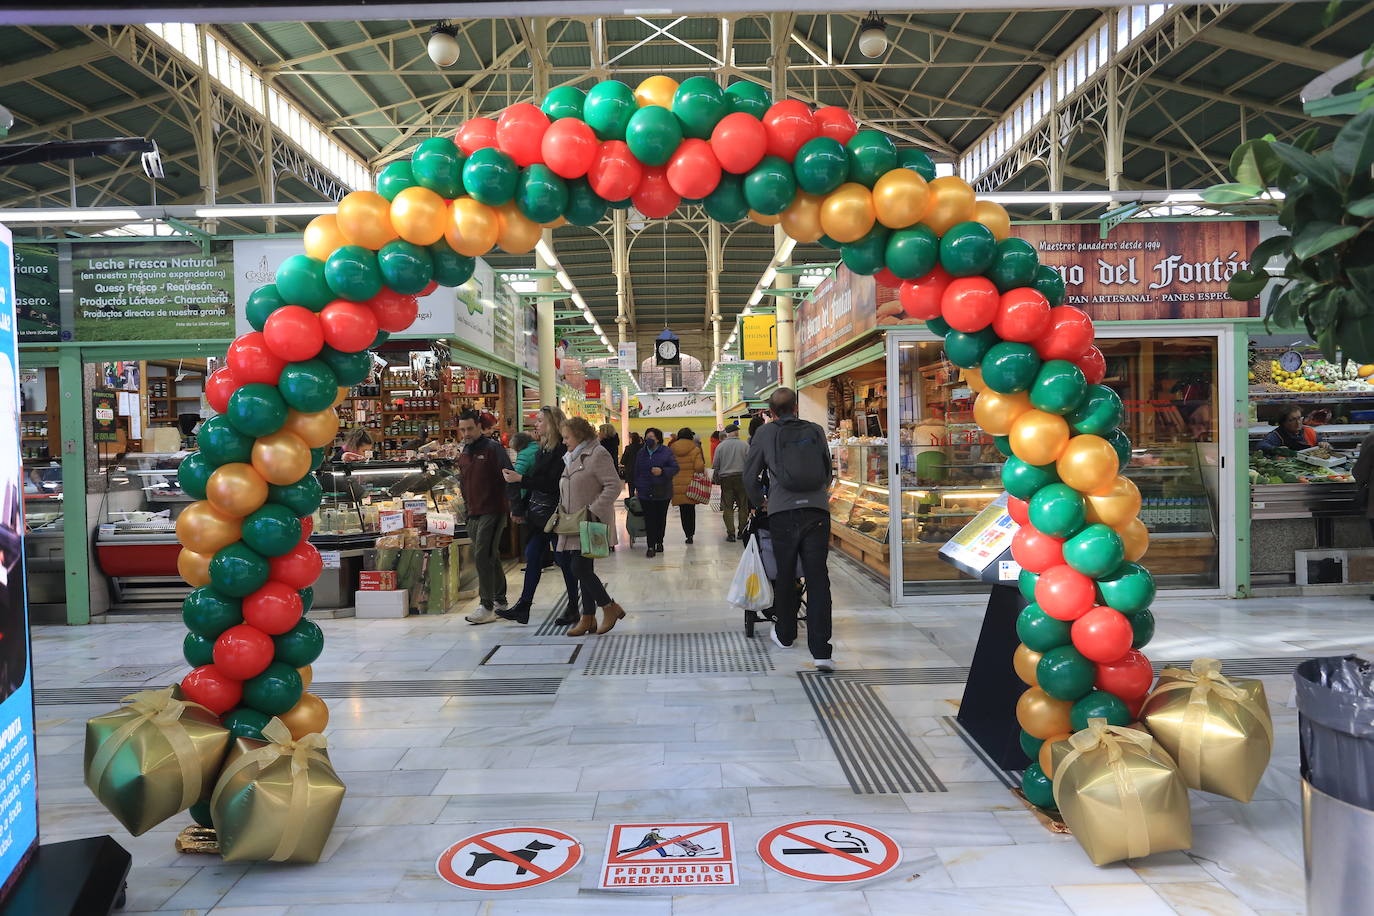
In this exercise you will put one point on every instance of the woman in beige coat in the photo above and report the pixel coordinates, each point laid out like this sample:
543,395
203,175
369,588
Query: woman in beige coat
589,482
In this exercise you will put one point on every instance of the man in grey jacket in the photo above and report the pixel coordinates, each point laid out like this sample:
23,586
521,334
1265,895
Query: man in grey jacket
795,456
728,468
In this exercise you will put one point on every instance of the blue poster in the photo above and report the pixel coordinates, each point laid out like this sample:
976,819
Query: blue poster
18,789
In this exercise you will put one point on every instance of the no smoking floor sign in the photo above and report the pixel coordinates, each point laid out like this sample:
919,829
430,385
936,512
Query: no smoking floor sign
829,850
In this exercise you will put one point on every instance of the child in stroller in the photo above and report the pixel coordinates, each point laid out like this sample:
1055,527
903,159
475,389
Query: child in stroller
757,526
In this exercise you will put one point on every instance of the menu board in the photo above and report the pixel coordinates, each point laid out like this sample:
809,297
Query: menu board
982,547
152,291
36,304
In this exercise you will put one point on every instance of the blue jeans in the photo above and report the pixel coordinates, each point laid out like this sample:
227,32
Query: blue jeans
536,549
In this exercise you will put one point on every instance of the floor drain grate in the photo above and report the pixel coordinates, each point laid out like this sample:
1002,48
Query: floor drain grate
678,653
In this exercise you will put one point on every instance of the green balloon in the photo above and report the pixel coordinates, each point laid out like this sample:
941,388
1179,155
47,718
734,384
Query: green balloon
1003,445
1065,674
619,204
348,368
257,410
316,458
585,206
872,154
307,597
1010,367
192,475
262,302
1022,480
1129,588
938,326
407,268
274,691
300,281
245,723
769,187
865,256
750,98
395,178
608,109
1014,265
1057,510
200,813
1050,284
381,338
220,443
197,650
540,194
1030,745
302,497
489,176
967,250
653,135
352,273
821,165
967,350
1099,705
308,386
208,613
437,164
564,102
1025,583
1059,387
300,645
1037,787
1100,412
909,157
1095,551
272,531
1041,632
912,252
450,267
1142,628
237,570
826,241
1120,441
726,204
699,104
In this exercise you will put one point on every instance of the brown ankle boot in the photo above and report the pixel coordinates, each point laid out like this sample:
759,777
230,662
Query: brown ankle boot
586,624
609,615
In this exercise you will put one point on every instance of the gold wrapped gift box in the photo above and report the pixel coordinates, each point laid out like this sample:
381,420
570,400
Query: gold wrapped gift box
1217,728
276,801
1121,795
154,758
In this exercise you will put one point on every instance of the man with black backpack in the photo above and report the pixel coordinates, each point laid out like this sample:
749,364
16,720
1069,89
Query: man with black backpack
794,456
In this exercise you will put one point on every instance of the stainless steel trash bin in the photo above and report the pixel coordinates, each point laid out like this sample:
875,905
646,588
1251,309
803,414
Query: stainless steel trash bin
1338,849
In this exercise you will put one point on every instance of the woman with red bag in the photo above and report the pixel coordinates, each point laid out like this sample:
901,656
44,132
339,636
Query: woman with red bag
692,465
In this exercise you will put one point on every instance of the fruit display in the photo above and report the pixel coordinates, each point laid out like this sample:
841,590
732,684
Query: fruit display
1314,375
1266,470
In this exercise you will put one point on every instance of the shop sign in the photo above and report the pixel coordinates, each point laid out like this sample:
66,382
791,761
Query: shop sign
663,855
676,404
472,382
152,291
593,390
504,301
758,376
255,264
627,355
473,307
528,341
103,414
759,337
36,303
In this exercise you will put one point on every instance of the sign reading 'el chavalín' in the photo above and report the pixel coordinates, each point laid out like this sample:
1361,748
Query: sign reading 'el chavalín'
152,291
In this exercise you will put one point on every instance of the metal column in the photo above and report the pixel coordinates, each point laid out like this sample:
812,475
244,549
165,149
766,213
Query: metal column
787,326
548,335
76,537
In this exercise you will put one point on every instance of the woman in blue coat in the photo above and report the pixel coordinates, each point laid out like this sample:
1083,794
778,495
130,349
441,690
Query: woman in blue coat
655,467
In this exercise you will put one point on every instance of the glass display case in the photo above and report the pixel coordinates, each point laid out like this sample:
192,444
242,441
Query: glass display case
367,498
136,543
860,521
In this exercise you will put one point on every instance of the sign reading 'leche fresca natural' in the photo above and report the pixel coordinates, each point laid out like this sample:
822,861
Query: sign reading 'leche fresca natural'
152,291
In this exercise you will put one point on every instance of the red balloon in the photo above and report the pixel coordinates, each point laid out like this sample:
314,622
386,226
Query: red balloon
479,133
349,327
1022,315
1135,706
307,528
293,332
218,387
251,360
1103,634
394,312
430,287
615,173
739,141
243,651
1065,593
213,689
789,124
299,568
520,133
274,608
921,297
969,304
1069,336
693,171
655,197
887,279
1093,364
1129,677
1019,510
568,147
834,122
1035,550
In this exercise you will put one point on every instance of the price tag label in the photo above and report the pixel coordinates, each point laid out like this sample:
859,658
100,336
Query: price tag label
330,559
441,523
390,521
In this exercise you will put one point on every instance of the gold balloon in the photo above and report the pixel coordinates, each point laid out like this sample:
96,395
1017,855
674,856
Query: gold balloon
900,198
236,489
802,218
365,219
765,219
472,227
341,396
1041,715
281,458
994,216
1115,505
307,717
307,674
1038,437
316,430
194,567
656,90
518,234
951,203
561,221
1047,753
974,379
204,529
323,236
1024,661
847,214
1136,539
419,215
996,412
1089,463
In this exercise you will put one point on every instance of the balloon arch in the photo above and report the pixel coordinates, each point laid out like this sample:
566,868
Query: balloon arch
500,183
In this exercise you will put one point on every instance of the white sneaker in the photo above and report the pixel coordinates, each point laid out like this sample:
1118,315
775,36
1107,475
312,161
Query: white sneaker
483,614
773,632
825,664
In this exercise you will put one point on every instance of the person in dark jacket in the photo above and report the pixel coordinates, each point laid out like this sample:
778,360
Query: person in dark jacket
627,460
484,496
1291,433
655,467
610,441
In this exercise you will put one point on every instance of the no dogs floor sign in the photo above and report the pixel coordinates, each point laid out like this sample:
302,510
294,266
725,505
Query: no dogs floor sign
669,855
509,859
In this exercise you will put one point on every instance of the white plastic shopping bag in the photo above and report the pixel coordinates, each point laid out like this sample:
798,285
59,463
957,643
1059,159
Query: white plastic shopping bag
715,498
750,590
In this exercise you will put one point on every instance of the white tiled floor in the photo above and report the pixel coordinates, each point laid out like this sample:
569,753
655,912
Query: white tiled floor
425,771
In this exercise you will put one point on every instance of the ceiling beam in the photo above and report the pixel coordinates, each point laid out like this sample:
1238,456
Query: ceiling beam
1266,48
34,68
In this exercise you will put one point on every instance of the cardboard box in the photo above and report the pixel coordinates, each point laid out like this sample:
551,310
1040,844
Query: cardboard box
390,603
377,580
1361,565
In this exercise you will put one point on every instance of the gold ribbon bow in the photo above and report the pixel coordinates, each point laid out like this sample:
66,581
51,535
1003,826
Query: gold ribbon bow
1204,678
1111,738
163,709
281,744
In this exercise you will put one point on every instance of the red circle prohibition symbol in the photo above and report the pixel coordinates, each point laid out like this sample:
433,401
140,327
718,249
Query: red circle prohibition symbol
891,853
487,846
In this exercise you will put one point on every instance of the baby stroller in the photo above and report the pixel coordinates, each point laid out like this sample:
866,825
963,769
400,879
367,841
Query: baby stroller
634,518
757,526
